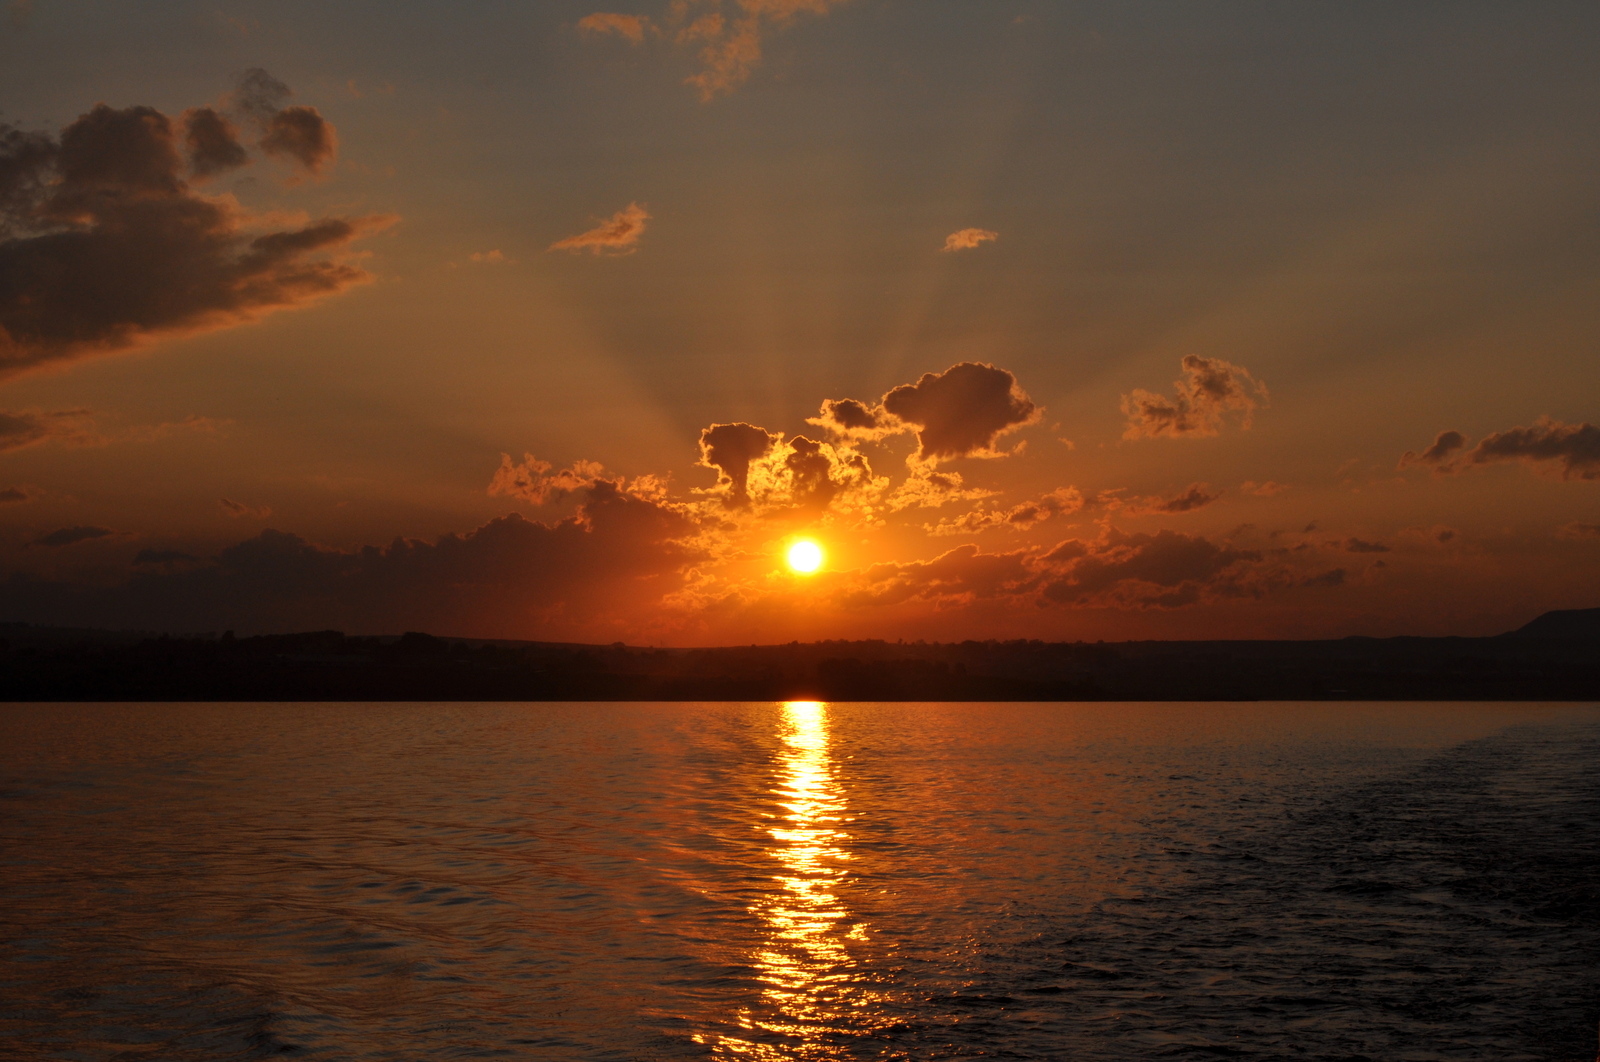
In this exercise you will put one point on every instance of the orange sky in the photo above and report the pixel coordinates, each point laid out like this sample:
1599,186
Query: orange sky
562,321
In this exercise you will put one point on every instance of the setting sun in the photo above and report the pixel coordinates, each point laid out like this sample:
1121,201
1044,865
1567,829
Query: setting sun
805,556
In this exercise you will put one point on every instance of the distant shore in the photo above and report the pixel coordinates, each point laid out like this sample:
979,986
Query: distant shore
1557,657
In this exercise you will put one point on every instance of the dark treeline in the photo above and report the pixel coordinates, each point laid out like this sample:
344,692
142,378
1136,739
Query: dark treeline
1556,657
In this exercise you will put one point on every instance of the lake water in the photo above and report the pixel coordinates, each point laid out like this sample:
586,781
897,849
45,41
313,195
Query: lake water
799,881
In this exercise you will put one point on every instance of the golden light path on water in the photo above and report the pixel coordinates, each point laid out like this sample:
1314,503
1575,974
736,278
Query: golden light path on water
815,997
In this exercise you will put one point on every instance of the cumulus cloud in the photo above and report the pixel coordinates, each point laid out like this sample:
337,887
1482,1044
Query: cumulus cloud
853,420
104,246
213,143
962,411
1210,392
927,488
297,134
1022,517
239,510
966,239
1578,530
1570,451
19,429
533,482
581,577
628,27
618,234
71,536
730,449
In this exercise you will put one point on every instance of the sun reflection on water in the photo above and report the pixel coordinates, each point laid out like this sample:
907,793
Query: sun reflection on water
814,995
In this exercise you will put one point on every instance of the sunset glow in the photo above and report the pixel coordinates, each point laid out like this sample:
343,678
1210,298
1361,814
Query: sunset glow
1024,320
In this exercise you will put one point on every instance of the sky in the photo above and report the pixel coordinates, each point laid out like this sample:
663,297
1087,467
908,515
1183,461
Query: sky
563,321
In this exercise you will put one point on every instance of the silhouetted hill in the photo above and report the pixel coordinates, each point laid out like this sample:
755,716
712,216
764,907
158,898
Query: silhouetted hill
45,664
1577,623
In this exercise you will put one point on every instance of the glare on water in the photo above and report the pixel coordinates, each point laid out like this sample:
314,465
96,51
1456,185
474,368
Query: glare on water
804,959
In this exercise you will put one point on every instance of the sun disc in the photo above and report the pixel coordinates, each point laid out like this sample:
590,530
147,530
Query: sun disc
805,556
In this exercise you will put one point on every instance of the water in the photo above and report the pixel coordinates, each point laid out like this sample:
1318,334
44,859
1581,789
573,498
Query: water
805,881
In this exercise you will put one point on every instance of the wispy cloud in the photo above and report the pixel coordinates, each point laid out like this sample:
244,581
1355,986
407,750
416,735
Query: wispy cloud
618,234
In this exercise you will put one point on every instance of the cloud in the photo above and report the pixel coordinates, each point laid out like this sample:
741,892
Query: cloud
1263,490
296,133
239,510
303,135
1358,545
583,577
1571,451
495,257
71,536
161,557
961,411
850,419
19,429
103,245
1210,391
616,235
1197,496
533,482
962,575
926,488
966,239
213,143
1022,517
629,27
730,448
730,41
1578,530
1161,570
16,495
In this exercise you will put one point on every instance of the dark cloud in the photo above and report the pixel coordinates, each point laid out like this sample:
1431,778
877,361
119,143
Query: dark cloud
213,143
16,495
534,483
1444,447
301,134
729,448
1578,530
1198,496
962,411
161,557
1359,545
853,420
581,578
27,428
71,536
259,95
817,473
240,510
1161,570
106,246
1571,451
1209,393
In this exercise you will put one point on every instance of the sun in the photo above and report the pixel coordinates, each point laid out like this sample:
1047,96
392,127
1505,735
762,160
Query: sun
805,556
